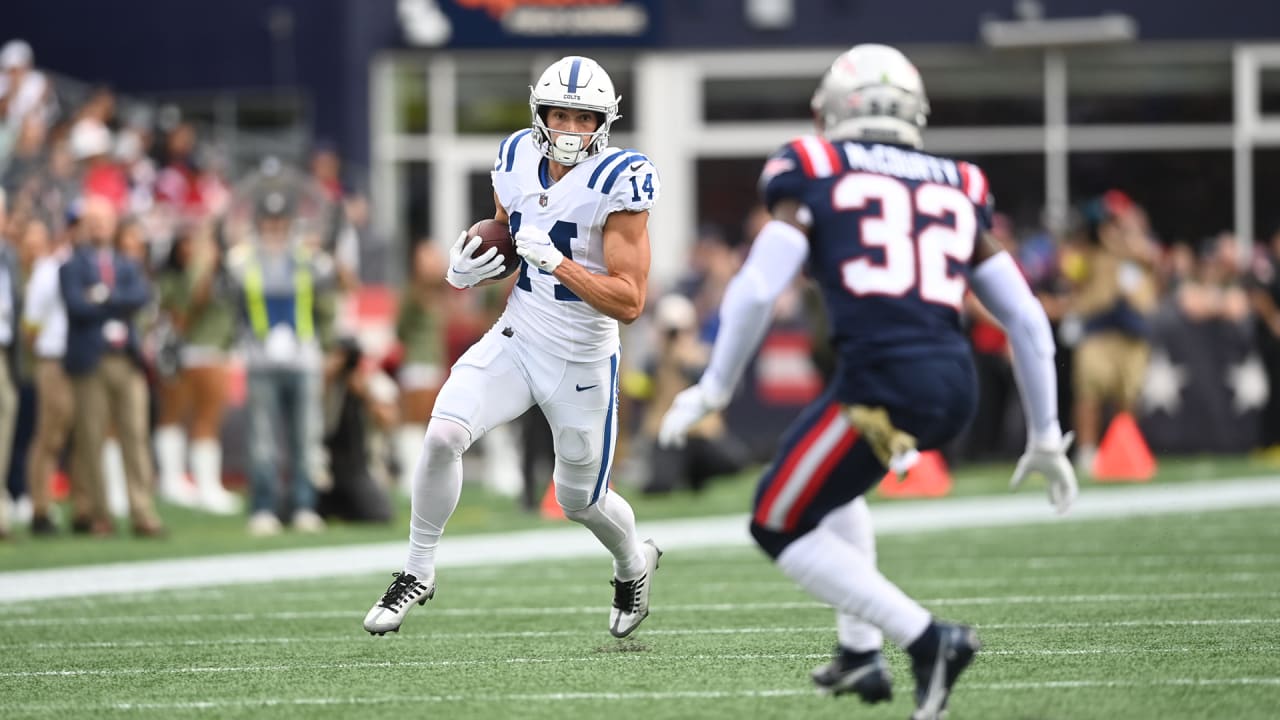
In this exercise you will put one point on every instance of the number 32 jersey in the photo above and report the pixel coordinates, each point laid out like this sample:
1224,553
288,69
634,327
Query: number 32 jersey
573,212
892,234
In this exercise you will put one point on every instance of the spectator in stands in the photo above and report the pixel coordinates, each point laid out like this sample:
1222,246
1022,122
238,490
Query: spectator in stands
1215,290
1264,296
286,291
27,102
711,450
1114,292
102,290
45,327
420,329
199,313
343,240
10,311
92,145
361,397
178,185
31,241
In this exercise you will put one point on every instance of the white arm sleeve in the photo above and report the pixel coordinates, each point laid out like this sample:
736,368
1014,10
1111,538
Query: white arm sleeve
776,256
1002,289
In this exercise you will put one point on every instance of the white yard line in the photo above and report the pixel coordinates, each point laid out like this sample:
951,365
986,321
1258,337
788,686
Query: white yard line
558,697
592,659
539,634
573,542
151,618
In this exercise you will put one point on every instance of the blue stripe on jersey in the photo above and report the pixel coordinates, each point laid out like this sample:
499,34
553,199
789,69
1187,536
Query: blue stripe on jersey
544,174
606,458
511,148
573,75
604,162
617,170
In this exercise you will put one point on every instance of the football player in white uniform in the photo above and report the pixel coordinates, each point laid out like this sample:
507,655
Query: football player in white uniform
578,210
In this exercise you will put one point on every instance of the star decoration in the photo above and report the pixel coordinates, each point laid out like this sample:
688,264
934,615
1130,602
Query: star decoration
1162,387
1248,383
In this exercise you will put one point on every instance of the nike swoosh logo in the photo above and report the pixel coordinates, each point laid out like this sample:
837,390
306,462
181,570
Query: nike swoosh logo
636,167
580,388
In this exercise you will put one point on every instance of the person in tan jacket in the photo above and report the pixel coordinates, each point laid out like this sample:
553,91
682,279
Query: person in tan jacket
1110,265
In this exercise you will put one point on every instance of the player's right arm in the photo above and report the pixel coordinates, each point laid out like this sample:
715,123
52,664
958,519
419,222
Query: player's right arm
999,284
777,255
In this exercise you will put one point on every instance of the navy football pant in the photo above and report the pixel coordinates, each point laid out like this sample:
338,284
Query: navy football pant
822,464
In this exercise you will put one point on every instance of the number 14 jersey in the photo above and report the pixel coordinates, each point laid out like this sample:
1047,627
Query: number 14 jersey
892,234
572,212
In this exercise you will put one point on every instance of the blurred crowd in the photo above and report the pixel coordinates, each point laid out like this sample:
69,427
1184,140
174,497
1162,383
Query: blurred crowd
172,332
140,285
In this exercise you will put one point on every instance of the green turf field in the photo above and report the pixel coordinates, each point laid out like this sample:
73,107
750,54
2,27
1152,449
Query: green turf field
1162,617
199,534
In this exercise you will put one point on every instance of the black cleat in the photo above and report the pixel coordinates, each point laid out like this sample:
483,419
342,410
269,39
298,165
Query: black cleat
868,678
935,674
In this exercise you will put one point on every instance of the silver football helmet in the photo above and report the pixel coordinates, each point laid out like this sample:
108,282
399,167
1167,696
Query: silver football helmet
873,93
579,83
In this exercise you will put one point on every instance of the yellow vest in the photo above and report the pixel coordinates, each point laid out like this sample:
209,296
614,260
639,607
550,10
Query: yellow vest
304,296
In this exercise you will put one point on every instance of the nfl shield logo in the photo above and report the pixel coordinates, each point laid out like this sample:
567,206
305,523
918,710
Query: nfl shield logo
542,200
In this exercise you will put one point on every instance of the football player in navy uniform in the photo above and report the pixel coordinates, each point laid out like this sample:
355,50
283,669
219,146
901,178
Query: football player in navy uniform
894,237
578,210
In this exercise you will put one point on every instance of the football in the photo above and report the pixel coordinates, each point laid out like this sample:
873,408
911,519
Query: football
496,234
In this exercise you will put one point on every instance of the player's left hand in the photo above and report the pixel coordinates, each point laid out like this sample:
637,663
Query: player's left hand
1050,460
537,249
689,406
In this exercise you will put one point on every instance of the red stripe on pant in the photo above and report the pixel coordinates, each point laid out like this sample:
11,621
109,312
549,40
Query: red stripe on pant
819,478
793,459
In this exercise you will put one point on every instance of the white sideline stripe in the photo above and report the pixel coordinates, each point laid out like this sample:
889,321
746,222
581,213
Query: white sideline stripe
643,696
151,618
535,634
573,542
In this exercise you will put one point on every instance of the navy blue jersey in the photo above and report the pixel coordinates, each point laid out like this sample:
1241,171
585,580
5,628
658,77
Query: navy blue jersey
892,234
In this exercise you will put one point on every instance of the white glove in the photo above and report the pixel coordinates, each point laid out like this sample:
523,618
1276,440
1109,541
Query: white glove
689,406
1051,461
466,271
537,249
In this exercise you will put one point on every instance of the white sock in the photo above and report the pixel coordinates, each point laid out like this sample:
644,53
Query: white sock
834,571
613,522
852,523
169,441
437,484
115,477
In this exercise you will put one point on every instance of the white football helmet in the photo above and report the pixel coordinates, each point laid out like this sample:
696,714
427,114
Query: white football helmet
579,83
874,93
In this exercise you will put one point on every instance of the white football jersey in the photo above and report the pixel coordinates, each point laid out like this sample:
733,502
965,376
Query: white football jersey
573,212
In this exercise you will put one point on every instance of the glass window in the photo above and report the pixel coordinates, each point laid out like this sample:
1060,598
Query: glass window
1266,188
494,99
983,88
1017,184
965,88
409,86
1270,88
737,99
1187,194
727,194
414,213
1150,84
